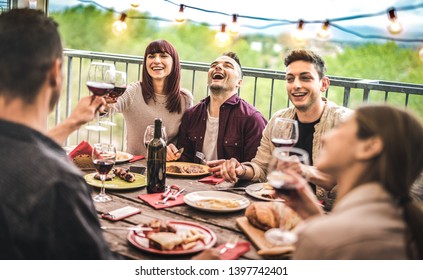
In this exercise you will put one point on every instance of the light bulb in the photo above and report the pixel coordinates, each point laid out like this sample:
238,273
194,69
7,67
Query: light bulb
32,4
324,32
180,16
120,25
222,38
298,34
394,27
421,54
234,27
135,3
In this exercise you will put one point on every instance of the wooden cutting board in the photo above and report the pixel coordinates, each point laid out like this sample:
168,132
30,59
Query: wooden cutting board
257,237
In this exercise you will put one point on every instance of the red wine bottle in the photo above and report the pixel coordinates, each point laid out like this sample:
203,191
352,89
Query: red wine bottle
156,161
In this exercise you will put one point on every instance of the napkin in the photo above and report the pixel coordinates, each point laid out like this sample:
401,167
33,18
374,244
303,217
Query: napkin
233,254
137,158
153,197
83,148
211,180
81,156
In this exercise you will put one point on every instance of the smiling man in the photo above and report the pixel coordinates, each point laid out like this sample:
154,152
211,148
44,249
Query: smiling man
305,83
222,125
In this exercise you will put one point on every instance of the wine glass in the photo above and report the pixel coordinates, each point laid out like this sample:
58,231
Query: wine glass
284,132
149,134
118,90
101,79
284,158
104,157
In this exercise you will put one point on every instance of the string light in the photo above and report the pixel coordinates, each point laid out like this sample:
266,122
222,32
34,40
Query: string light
32,4
222,38
298,34
119,26
135,3
282,22
395,27
324,31
421,53
180,16
234,27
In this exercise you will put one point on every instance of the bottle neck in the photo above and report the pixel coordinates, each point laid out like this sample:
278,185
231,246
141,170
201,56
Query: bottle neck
157,130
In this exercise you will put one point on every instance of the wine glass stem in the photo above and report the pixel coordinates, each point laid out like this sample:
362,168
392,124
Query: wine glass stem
103,189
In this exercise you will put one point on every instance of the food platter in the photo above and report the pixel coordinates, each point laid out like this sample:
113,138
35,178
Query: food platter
117,183
185,165
216,201
209,240
123,157
261,191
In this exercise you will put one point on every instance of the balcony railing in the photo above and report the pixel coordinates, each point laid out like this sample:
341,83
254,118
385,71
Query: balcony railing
263,88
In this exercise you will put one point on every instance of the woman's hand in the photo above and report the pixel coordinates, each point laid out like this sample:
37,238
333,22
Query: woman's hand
302,199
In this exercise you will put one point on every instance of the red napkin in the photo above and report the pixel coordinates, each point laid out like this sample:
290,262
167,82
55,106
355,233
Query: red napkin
211,180
153,197
136,158
83,148
233,254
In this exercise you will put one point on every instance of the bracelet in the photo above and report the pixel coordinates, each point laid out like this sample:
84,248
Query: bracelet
243,168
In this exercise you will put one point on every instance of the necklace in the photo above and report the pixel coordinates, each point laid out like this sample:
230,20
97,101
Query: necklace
160,96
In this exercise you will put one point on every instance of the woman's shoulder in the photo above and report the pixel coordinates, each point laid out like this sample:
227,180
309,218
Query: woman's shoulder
186,93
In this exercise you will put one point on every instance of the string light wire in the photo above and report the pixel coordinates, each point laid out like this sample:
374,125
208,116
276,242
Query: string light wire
282,22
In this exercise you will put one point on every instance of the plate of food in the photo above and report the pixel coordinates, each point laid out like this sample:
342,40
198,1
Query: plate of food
173,238
123,157
186,169
262,191
117,179
216,201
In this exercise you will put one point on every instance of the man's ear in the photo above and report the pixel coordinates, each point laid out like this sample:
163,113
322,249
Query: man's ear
369,148
239,84
55,74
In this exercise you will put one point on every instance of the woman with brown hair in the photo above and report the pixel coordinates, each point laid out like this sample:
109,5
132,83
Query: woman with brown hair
157,95
375,155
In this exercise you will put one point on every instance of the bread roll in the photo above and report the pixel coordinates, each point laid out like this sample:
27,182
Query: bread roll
267,215
262,215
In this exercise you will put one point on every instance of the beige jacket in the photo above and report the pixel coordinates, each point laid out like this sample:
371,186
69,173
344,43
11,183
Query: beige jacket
364,224
332,115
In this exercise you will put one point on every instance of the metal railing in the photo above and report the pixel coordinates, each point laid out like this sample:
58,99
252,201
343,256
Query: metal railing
263,88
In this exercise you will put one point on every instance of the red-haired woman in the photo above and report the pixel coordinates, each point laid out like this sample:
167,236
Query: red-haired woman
157,95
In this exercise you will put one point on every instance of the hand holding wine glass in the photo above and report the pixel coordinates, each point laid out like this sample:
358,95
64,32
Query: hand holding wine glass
120,83
285,161
104,157
100,81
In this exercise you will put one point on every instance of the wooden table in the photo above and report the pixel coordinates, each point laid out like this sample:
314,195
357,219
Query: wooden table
222,224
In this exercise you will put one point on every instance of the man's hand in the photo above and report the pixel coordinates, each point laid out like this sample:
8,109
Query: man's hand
86,109
227,169
172,153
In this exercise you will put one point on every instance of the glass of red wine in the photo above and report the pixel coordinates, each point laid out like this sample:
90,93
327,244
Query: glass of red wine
119,88
100,82
284,132
104,157
285,158
149,134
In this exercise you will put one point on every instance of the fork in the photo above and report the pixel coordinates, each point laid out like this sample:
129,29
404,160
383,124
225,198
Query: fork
230,244
201,156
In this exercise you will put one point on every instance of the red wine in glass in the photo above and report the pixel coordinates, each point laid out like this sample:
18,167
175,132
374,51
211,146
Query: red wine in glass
103,166
99,88
117,91
283,142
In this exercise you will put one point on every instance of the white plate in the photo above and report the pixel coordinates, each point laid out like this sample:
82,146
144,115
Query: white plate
123,157
215,201
256,190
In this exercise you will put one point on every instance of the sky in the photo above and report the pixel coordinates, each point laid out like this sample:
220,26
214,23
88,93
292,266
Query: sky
307,10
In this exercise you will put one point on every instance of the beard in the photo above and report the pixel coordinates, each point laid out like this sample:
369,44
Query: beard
217,89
